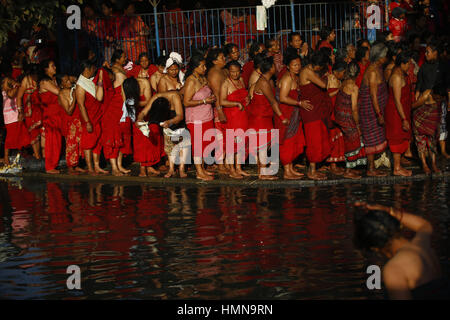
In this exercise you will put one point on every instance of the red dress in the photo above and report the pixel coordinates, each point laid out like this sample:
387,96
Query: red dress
362,69
247,71
397,138
91,140
336,137
317,136
33,113
147,150
112,130
260,119
73,133
236,119
292,138
53,126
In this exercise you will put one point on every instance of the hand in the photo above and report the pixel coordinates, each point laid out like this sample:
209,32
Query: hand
405,125
240,106
89,127
247,100
106,64
305,104
333,82
20,116
165,124
100,76
365,205
380,119
210,99
359,130
285,122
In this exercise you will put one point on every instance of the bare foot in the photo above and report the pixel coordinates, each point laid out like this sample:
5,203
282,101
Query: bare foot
163,168
204,177
99,170
403,172
446,156
72,171
54,171
436,170
376,173
324,169
337,171
80,170
183,174
92,173
405,162
223,170
36,156
169,174
296,173
300,166
290,177
124,171
209,173
152,171
117,173
352,175
243,173
267,177
143,173
235,175
316,176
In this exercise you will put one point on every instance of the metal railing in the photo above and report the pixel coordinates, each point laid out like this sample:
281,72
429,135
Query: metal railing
182,31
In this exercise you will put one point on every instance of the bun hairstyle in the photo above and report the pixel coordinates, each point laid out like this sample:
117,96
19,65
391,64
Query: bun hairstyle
193,63
289,55
254,48
212,56
374,229
352,71
259,58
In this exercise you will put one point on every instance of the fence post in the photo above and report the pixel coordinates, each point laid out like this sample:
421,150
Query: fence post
293,15
156,31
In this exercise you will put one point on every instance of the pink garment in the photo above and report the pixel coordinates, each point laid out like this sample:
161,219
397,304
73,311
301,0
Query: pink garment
10,112
203,112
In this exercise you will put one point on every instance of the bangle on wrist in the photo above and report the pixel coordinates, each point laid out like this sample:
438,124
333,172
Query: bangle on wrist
281,117
204,101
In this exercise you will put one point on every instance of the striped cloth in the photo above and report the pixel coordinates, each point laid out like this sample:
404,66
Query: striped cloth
373,134
426,120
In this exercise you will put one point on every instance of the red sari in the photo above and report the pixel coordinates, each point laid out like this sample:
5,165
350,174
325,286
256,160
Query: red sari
317,134
292,139
73,133
397,138
260,119
112,130
33,113
147,151
53,126
236,119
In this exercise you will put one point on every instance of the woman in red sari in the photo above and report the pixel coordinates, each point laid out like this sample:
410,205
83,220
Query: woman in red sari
397,115
28,98
261,111
234,100
292,138
53,115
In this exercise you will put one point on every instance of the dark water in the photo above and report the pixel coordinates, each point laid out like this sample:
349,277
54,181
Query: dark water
142,242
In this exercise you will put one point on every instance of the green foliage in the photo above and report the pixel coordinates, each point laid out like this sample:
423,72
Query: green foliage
13,13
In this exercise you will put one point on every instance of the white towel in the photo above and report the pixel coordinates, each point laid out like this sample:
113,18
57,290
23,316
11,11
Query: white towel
125,113
87,84
261,18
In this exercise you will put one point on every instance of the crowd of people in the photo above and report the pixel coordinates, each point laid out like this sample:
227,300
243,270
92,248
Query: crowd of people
336,109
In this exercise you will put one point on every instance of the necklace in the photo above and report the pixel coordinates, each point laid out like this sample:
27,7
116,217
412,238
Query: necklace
202,82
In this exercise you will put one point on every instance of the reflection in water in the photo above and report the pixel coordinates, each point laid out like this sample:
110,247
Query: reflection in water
143,242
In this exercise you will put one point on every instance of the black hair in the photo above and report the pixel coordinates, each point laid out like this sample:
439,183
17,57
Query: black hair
259,58
436,46
233,63
289,55
161,60
268,43
143,54
352,71
212,56
319,59
254,48
193,63
42,75
266,64
340,65
86,64
229,48
360,42
159,111
361,53
403,57
325,32
293,34
327,53
107,3
31,69
116,55
132,94
374,229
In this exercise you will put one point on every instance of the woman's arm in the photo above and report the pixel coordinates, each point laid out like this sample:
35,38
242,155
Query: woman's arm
80,95
49,86
397,90
373,88
190,92
266,89
99,91
177,105
147,93
64,101
355,110
223,98
162,85
314,78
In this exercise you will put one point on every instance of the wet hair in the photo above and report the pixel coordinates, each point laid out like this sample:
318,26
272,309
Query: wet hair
259,59
378,52
132,94
159,111
86,64
266,64
361,53
212,56
393,49
374,229
340,66
42,75
59,78
254,48
327,52
31,69
193,63
116,55
319,59
143,54
360,43
229,48
352,70
403,57
293,34
233,63
289,55
161,60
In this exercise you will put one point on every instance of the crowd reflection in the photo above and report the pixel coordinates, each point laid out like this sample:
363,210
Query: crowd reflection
134,241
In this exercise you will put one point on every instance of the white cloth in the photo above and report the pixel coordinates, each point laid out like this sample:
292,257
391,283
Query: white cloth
143,126
261,18
125,113
87,84
175,57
